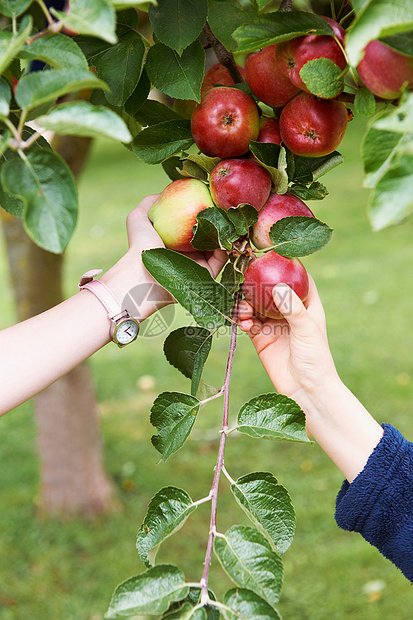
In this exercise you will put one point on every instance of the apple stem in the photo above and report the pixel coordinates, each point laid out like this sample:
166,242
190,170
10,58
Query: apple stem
223,55
220,459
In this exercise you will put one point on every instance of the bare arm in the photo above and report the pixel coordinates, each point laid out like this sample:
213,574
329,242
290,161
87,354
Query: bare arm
297,358
36,352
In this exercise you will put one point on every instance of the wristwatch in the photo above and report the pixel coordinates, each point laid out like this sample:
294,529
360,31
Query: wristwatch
123,328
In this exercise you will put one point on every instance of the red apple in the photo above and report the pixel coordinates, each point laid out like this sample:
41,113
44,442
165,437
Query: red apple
174,213
15,82
218,74
269,130
235,181
385,71
277,207
313,127
266,80
264,273
292,55
224,122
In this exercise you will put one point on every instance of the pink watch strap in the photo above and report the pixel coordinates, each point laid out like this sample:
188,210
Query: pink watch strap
102,292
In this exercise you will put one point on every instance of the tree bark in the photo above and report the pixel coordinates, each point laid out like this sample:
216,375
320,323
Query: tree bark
73,482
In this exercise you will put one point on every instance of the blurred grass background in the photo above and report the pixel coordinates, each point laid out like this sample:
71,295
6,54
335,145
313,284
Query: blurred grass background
67,571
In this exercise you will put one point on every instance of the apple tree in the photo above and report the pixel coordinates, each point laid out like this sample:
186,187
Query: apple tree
331,76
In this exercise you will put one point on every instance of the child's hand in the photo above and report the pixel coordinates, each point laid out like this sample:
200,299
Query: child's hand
294,351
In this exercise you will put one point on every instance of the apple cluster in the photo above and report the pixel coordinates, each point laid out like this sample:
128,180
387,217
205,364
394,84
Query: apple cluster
227,119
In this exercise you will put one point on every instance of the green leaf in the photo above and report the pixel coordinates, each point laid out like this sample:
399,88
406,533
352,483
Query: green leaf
191,285
143,5
5,97
308,169
175,75
400,120
269,507
248,559
14,8
315,191
378,149
246,605
80,118
57,50
299,236
243,217
231,277
162,140
11,43
167,512
173,414
323,77
177,23
273,416
39,87
12,205
379,18
364,102
268,153
187,349
213,230
92,17
274,27
46,185
225,17
153,112
189,609
149,593
139,95
392,199
207,164
402,42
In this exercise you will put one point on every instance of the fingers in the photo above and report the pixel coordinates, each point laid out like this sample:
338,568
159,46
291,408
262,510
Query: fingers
141,233
294,311
217,261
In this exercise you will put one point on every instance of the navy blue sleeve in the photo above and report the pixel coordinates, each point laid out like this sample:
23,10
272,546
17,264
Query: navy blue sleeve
379,502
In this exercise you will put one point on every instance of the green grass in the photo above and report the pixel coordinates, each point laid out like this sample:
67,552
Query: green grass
67,571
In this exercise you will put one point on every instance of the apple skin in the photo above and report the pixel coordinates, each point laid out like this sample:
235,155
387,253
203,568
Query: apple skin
224,122
174,213
266,80
269,130
234,181
292,55
277,207
218,74
385,71
313,127
263,273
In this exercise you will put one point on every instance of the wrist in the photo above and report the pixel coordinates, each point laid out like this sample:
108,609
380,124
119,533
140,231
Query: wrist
134,287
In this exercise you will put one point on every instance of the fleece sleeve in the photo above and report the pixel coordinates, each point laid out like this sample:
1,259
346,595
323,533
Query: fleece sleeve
379,502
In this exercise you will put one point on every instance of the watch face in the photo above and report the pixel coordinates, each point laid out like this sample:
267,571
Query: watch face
126,332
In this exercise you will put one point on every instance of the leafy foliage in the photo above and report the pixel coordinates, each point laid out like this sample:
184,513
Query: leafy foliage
98,84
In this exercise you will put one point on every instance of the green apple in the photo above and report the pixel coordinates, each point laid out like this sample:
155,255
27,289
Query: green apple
174,213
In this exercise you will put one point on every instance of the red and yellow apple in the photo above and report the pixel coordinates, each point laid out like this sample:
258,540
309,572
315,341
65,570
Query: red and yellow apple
292,55
174,213
235,181
224,122
263,273
384,71
266,80
277,207
313,127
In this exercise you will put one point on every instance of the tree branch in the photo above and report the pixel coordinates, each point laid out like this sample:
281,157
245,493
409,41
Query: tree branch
225,57
286,5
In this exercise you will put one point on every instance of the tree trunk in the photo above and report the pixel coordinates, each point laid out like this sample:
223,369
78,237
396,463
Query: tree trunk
73,482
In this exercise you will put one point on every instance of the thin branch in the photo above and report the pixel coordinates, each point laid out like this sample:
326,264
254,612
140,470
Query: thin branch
224,56
205,600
